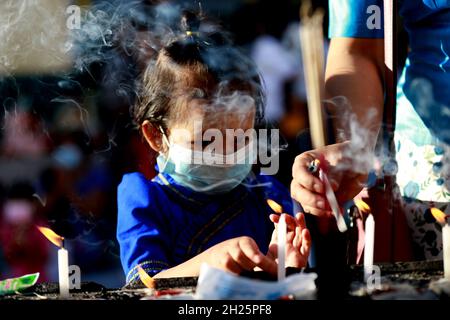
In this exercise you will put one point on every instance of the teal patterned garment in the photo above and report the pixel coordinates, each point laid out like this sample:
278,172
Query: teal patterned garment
422,135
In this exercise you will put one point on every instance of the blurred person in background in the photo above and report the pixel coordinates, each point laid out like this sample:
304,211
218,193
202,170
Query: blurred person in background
23,247
275,63
23,148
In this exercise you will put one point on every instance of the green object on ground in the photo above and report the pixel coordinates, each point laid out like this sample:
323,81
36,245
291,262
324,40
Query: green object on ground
10,286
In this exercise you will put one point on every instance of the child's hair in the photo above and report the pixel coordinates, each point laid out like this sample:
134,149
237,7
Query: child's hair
196,64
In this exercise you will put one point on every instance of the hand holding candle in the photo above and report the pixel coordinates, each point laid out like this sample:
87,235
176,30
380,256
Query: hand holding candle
63,260
291,241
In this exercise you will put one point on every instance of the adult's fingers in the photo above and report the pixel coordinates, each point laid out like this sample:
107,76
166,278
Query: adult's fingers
302,176
317,212
307,197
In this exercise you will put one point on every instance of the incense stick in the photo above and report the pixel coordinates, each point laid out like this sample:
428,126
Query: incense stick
311,39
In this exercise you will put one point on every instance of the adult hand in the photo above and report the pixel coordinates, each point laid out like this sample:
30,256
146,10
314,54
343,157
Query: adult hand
344,177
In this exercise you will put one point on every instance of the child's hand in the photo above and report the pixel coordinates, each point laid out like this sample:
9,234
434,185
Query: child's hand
238,255
298,240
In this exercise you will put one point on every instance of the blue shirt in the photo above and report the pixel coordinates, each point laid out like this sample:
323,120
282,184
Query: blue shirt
162,224
426,78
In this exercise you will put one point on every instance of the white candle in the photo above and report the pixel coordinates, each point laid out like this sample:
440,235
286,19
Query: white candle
63,272
369,240
282,229
442,218
446,249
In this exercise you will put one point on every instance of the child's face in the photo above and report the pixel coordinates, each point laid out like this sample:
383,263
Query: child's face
204,122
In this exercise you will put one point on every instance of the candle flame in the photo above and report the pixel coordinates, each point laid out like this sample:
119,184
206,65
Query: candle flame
362,206
275,206
145,278
439,215
52,236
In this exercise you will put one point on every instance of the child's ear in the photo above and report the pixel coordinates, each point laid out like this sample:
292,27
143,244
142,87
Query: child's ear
152,136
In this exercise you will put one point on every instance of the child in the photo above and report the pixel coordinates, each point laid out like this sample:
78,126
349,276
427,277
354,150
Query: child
201,212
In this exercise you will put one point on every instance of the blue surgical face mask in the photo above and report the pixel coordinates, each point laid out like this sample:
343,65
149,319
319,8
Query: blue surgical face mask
202,172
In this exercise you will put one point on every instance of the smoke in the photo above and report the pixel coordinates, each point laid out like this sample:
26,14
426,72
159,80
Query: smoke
433,113
97,53
357,132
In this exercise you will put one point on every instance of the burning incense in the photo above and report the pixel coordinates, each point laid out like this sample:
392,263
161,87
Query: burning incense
311,39
63,260
281,237
369,238
317,166
442,218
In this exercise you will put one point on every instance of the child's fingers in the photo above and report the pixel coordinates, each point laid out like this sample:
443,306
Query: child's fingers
274,218
300,217
268,265
272,253
231,265
297,242
306,243
291,222
250,252
241,258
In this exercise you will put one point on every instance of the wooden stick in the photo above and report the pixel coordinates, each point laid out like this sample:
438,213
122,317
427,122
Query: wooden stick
311,39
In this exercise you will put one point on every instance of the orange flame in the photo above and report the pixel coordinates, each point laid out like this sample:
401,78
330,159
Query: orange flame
439,215
145,278
52,236
275,206
362,206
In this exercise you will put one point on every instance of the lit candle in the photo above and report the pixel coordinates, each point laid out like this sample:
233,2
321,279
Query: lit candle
63,272
369,238
63,260
281,238
446,249
442,218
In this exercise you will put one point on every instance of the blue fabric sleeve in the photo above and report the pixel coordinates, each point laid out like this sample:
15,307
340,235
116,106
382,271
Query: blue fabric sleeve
356,19
141,234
